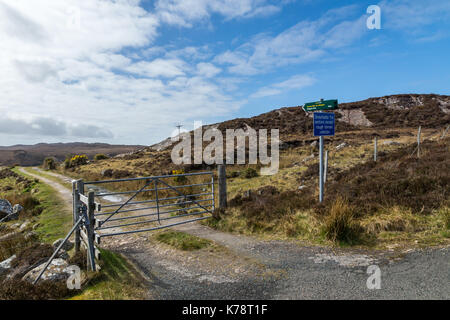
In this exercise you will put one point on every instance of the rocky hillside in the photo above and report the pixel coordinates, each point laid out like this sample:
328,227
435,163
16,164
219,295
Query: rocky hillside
26,155
396,111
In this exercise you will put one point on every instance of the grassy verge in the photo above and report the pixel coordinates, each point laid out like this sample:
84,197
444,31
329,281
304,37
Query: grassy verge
56,219
117,280
183,241
49,176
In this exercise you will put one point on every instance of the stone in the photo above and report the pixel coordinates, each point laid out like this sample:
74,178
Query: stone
63,255
57,270
67,246
301,187
107,173
17,208
5,207
6,264
313,144
24,225
30,235
342,145
390,142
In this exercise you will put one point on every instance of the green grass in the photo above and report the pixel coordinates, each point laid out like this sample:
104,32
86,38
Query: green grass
117,280
50,177
183,241
55,220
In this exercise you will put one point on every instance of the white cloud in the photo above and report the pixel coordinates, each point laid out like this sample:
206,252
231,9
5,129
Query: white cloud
295,82
207,70
59,81
168,68
306,41
186,12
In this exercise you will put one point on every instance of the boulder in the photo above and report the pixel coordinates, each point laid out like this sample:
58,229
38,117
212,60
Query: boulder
17,208
56,271
67,246
107,173
6,265
5,208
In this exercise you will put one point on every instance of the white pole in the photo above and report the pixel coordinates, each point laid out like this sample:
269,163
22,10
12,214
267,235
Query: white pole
321,169
325,169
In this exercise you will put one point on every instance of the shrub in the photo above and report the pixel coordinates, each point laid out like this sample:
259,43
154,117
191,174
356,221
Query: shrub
100,156
49,163
340,225
16,289
249,173
75,161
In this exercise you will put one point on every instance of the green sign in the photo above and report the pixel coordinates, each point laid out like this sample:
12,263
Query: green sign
321,105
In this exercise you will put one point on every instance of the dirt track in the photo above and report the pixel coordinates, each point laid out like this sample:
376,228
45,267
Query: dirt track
247,268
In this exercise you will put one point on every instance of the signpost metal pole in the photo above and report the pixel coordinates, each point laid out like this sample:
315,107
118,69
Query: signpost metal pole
321,169
325,169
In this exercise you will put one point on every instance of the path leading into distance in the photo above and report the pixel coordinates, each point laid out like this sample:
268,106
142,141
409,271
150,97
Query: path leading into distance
247,268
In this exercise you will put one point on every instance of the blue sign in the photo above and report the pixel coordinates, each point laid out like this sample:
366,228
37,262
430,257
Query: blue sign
323,124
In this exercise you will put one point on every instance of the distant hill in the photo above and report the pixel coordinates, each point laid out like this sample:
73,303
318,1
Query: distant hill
395,111
31,155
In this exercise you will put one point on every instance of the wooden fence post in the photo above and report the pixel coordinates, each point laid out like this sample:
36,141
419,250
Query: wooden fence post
375,149
222,186
418,141
90,231
76,205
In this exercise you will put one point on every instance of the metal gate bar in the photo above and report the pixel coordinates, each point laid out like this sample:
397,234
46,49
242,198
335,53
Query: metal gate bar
147,190
150,221
190,203
154,214
154,207
154,200
146,178
151,229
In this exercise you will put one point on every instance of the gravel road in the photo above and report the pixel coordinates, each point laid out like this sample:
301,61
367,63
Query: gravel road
247,268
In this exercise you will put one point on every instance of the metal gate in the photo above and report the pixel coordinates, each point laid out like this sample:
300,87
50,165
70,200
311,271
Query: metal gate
125,206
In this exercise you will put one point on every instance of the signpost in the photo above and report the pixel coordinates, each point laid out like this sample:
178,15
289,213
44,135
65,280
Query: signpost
321,105
324,125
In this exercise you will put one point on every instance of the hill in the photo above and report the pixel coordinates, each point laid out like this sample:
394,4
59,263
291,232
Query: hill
31,155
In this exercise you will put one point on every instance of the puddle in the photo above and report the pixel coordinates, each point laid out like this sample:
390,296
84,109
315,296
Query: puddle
112,198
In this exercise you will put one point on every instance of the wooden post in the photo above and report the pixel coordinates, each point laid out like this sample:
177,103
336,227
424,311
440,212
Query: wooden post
79,190
325,168
90,231
222,186
418,141
375,149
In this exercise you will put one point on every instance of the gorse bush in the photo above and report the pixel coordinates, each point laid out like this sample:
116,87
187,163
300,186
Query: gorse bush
75,161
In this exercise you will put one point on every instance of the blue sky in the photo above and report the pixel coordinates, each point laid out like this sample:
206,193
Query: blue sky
127,71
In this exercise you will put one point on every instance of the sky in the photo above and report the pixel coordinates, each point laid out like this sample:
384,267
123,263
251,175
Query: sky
129,71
